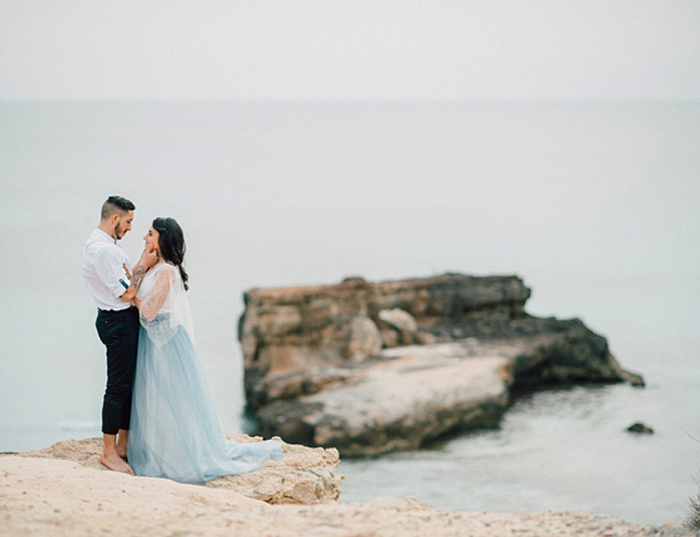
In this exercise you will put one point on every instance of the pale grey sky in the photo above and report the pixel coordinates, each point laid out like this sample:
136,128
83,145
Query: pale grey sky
358,49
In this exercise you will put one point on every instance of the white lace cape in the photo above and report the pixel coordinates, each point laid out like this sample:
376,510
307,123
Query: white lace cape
164,305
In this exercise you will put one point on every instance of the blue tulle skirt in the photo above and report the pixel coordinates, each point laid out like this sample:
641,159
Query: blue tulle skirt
175,430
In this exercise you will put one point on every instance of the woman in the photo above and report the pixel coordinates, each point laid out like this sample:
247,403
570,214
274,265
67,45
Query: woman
175,430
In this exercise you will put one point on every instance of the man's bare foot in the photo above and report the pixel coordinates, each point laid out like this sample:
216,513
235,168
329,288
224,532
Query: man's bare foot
122,439
114,462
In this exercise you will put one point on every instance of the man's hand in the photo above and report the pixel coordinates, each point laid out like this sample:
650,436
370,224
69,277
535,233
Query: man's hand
149,257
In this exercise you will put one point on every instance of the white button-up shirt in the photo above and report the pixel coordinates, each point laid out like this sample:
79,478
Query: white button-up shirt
103,267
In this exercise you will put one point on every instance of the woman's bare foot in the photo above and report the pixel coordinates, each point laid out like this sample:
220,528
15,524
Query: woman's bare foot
114,462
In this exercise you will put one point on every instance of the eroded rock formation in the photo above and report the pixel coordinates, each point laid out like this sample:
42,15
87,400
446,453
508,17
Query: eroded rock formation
376,367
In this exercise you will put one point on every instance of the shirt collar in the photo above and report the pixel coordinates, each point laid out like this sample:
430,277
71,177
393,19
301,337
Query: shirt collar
103,235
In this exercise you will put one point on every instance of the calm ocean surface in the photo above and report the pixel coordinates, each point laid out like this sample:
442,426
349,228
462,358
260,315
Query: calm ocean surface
596,206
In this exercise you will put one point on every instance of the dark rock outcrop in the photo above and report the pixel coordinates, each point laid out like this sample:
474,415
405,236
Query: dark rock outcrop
376,367
640,428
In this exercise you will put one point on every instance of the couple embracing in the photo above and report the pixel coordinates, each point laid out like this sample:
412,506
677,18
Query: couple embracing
158,416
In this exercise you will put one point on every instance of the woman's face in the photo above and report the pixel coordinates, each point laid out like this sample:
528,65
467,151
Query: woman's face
152,239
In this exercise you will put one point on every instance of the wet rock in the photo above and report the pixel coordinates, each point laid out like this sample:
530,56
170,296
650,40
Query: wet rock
640,428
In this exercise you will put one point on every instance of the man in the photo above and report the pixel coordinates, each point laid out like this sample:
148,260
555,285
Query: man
104,269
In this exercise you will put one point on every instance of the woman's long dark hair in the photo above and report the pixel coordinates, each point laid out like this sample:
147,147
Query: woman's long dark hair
172,244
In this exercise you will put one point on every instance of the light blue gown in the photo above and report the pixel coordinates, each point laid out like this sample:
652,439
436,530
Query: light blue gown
175,430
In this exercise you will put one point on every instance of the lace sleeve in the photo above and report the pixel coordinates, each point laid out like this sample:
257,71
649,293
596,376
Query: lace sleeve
161,288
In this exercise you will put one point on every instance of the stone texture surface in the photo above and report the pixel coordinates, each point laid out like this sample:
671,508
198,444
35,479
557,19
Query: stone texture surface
399,403
59,498
376,367
303,476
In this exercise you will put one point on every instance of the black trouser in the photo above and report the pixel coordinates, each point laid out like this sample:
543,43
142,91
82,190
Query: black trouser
119,331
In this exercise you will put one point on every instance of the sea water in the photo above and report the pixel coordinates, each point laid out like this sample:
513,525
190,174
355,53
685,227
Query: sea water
594,205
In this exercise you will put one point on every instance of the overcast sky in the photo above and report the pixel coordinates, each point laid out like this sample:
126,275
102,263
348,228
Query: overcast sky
358,49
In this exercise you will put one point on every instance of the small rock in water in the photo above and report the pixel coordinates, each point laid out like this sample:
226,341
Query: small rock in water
640,428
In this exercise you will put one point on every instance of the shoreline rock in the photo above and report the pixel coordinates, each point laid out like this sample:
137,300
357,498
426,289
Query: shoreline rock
46,497
370,368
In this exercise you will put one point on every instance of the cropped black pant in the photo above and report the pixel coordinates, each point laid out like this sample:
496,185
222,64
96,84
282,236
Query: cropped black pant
119,332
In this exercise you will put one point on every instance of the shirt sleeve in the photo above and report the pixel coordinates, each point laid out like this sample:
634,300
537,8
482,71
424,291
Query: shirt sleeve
151,306
109,267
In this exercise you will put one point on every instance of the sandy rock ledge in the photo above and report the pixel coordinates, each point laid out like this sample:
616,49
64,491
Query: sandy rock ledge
303,475
60,498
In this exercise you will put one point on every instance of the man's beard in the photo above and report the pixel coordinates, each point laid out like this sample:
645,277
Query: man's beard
119,232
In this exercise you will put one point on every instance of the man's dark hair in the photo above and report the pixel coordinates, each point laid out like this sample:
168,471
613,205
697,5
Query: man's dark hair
116,204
